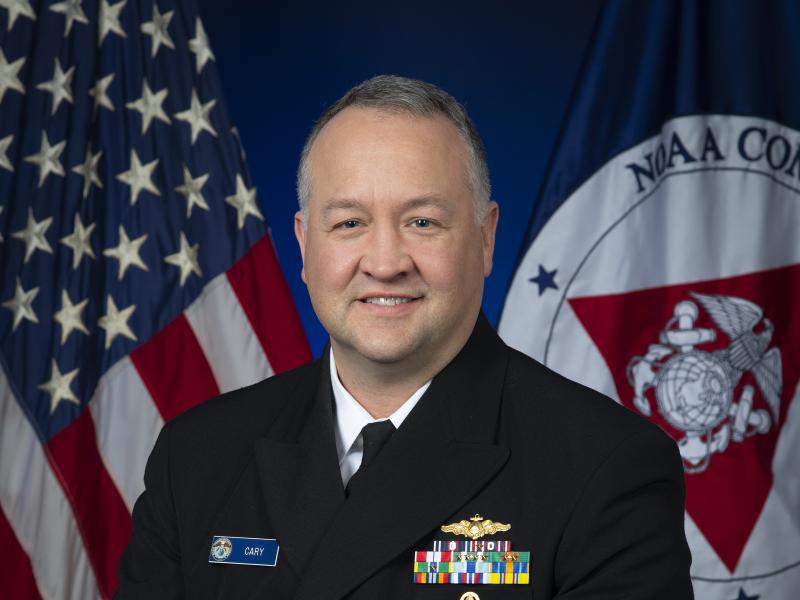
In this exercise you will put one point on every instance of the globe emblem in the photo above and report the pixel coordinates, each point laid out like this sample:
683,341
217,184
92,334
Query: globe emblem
694,391
221,549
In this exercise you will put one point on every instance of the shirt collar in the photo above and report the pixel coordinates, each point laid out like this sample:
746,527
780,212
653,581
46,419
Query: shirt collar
350,416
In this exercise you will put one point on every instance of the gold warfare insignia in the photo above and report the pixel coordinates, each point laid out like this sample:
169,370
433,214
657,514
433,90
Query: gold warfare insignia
476,527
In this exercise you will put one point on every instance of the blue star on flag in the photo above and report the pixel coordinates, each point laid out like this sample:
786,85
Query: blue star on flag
545,279
743,596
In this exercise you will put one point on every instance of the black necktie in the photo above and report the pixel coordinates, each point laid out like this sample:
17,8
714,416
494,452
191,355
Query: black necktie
375,435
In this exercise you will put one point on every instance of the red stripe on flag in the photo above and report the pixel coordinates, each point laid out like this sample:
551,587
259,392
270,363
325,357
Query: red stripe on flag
100,512
16,570
257,281
174,369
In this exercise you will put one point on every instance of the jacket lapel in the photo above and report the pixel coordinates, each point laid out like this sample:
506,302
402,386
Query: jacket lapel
439,458
299,470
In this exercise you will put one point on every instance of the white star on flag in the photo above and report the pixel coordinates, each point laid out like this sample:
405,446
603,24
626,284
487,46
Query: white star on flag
59,85
115,322
73,12
150,106
9,75
17,8
47,159
69,317
108,21
88,170
157,29
34,235
100,92
127,253
58,387
244,201
198,117
21,305
199,45
186,260
192,191
138,177
4,162
80,241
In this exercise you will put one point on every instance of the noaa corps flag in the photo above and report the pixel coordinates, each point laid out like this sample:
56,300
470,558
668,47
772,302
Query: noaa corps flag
662,265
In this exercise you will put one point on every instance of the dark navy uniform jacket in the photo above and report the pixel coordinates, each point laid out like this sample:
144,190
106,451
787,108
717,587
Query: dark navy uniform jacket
594,492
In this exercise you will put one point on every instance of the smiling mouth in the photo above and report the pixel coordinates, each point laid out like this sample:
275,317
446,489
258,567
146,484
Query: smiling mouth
387,300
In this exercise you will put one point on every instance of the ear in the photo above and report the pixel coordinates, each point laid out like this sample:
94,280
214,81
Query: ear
300,234
488,231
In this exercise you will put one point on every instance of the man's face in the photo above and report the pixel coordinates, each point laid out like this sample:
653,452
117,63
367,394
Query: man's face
393,257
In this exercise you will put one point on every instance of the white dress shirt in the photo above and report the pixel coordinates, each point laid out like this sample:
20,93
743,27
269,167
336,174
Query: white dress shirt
350,418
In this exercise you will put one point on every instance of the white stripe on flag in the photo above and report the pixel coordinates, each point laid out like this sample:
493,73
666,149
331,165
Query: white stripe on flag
37,510
127,423
226,337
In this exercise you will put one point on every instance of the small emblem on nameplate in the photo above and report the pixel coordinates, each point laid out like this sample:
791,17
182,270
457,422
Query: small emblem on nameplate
220,549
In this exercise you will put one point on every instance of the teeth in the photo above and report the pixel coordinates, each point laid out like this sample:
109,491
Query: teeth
383,301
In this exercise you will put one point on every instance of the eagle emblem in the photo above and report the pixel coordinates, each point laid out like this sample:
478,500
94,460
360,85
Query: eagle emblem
476,527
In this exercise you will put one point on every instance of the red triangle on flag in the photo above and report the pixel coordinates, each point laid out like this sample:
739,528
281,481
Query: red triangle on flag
727,489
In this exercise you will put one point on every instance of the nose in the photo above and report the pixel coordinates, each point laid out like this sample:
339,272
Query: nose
386,256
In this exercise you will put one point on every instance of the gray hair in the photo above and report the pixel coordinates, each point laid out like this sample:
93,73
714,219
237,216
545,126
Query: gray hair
395,94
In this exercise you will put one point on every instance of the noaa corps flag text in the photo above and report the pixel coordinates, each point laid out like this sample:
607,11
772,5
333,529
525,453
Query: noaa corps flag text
137,276
663,265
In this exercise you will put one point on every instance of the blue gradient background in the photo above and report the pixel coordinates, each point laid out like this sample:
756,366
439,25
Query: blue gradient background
512,64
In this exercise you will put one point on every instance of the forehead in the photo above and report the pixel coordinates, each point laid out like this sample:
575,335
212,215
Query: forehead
367,153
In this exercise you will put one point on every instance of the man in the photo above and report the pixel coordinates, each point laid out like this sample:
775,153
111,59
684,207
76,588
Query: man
417,417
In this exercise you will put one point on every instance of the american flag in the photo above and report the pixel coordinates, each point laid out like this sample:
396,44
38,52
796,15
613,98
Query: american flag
137,275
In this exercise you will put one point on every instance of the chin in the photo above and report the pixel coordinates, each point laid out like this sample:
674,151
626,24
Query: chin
385,351
385,355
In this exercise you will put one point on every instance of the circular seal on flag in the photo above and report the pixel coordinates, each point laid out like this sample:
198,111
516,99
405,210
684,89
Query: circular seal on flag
221,549
668,280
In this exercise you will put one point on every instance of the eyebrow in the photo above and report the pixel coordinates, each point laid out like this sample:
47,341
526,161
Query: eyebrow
430,201
426,201
340,204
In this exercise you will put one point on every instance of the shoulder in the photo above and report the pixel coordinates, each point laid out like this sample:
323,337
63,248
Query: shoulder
582,425
201,454
244,414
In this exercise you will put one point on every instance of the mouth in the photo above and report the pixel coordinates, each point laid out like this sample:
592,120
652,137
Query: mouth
388,299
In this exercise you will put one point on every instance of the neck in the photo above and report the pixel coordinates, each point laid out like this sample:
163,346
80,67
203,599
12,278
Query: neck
382,388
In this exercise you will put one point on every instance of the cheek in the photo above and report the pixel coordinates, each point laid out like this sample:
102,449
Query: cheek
453,269
327,267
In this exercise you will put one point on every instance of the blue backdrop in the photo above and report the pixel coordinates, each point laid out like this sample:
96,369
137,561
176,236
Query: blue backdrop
512,64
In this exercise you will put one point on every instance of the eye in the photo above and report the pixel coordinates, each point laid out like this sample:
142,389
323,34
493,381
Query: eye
348,224
422,223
